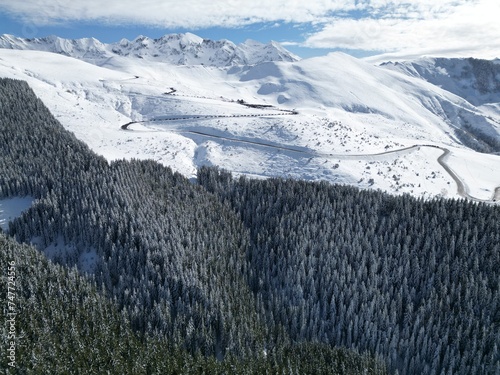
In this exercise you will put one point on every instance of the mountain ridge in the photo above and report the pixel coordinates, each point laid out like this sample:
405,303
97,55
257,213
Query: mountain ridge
177,49
475,80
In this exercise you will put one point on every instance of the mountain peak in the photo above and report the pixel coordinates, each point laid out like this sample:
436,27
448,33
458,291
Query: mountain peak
190,38
178,49
257,52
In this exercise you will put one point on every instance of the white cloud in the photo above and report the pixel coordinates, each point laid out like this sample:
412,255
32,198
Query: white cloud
172,14
465,28
396,26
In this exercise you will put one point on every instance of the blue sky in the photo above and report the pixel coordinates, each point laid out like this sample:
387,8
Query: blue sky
359,27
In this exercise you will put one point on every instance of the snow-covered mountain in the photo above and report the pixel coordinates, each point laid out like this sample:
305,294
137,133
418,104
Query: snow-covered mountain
178,49
475,80
253,110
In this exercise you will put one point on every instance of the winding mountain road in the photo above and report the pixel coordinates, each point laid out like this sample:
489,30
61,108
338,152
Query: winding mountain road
208,117
462,189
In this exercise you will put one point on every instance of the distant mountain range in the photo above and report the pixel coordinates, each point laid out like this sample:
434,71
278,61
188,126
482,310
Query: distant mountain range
178,49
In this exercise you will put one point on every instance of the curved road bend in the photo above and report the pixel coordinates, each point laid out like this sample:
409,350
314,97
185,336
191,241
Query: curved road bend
461,187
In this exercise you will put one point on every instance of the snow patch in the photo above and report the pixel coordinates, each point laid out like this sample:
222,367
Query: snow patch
87,261
11,208
67,253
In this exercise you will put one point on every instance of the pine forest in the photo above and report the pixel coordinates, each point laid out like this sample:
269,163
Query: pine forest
230,275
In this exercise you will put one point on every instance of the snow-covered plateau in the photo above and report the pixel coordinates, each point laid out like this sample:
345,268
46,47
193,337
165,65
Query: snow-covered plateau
258,110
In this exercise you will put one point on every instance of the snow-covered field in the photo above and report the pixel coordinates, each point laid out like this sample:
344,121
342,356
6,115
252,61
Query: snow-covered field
355,123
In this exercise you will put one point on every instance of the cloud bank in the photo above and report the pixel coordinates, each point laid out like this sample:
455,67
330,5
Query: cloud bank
467,28
447,27
173,14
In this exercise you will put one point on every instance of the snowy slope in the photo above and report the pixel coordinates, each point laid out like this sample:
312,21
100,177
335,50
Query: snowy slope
386,98
179,49
477,81
333,118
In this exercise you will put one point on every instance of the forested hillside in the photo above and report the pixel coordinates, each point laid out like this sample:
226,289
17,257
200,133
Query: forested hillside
168,289
64,326
415,282
161,251
234,275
